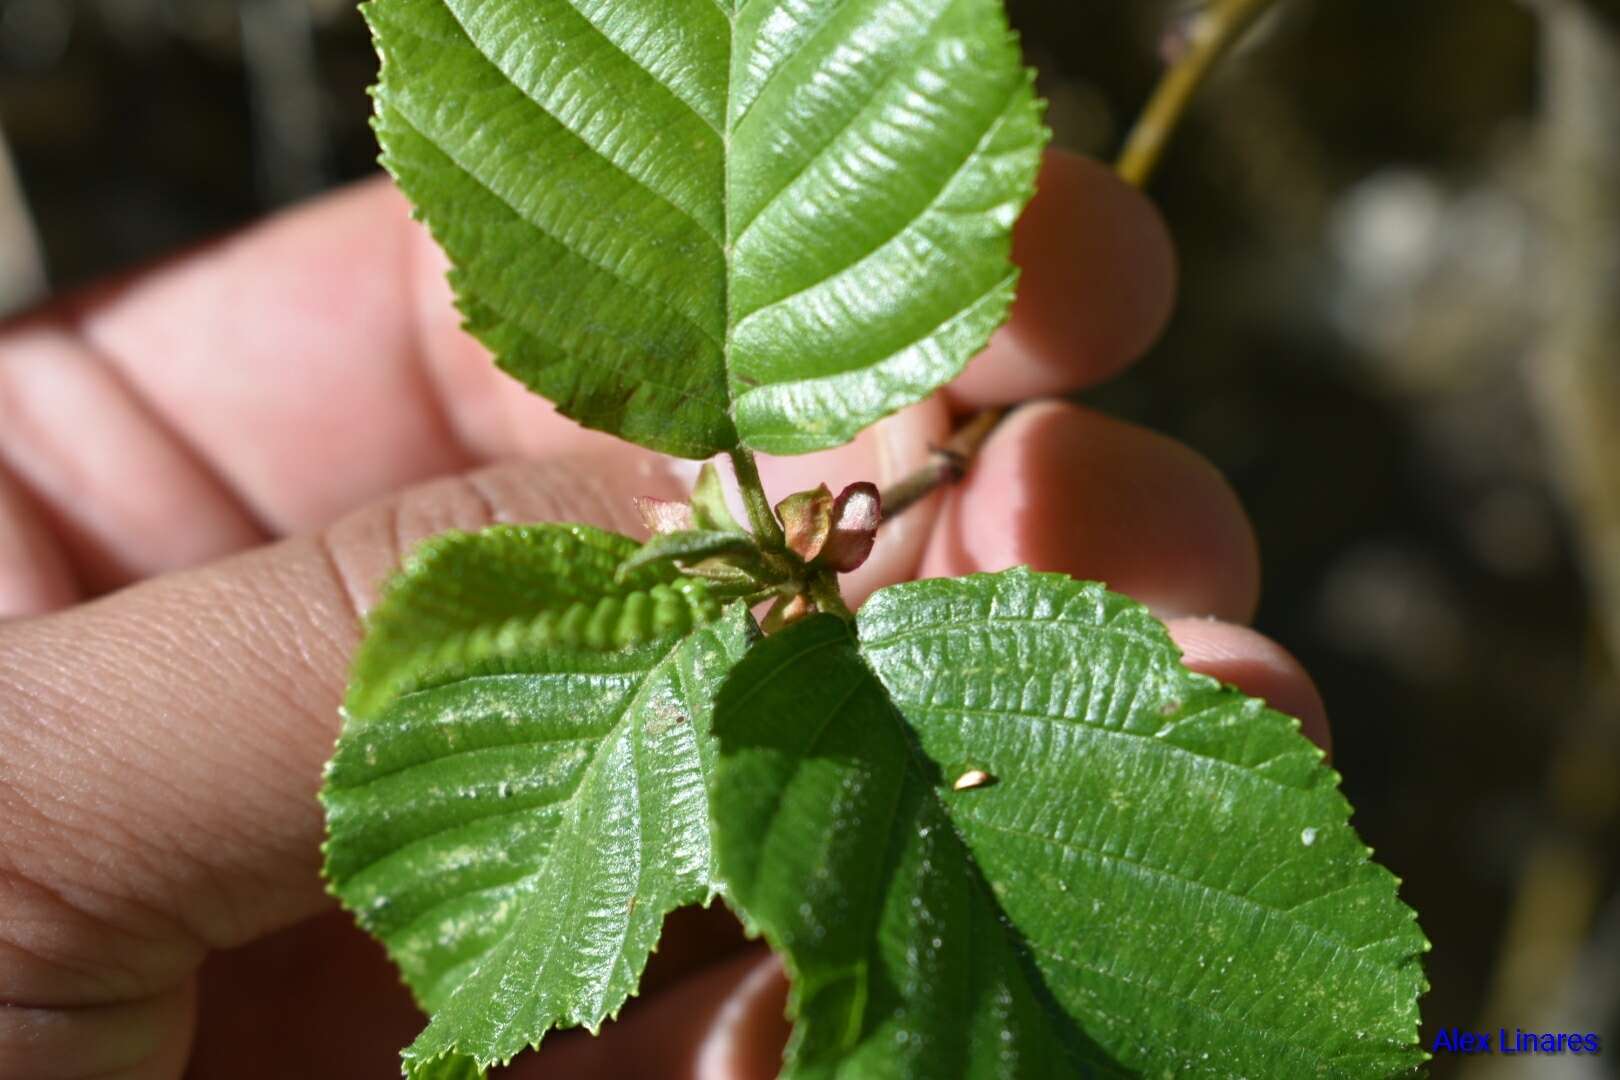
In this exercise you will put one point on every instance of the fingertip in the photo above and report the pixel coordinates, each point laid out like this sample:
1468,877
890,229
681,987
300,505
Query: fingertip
727,1022
1063,488
748,1035
1258,666
1098,286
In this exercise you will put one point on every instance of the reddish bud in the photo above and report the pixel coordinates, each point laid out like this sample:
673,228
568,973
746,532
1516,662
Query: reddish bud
807,520
856,516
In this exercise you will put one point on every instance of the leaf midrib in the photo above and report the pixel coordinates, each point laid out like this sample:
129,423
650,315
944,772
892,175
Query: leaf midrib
916,768
569,806
729,246
478,47
1192,684
900,230
899,67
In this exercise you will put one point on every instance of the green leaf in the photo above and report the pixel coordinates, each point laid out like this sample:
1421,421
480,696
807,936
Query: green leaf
466,598
690,545
513,813
700,224
709,507
1143,873
449,1067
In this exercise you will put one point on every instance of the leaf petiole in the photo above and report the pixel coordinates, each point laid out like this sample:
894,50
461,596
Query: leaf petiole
823,589
767,530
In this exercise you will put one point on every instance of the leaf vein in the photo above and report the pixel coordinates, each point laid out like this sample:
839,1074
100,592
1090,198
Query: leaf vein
528,743
811,40
900,69
487,57
1081,725
973,155
966,311
983,622
645,70
427,840
1309,1051
600,266
1215,892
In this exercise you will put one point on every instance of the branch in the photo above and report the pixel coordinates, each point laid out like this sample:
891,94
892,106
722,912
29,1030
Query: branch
1216,29
22,266
1575,375
946,465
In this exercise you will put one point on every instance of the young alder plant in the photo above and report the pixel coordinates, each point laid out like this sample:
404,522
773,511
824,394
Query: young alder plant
992,826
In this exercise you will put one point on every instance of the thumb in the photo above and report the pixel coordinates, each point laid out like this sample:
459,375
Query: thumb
164,745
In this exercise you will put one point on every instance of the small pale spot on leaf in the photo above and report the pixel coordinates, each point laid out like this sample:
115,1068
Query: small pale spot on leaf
973,778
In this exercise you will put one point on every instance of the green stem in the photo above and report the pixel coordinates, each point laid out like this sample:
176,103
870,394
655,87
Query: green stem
1214,33
767,530
822,585
823,589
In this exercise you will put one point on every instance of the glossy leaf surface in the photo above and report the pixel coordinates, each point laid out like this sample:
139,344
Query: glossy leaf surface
1143,873
700,224
519,794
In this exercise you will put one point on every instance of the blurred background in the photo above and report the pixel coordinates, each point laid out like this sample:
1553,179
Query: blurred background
1400,336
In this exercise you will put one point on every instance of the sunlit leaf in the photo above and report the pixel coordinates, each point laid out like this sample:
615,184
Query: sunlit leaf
519,794
705,223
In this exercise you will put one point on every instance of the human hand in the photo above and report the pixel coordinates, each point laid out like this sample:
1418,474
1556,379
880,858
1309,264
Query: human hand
183,570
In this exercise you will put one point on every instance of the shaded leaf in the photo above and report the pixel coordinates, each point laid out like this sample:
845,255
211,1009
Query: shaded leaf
700,224
449,1067
1144,874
